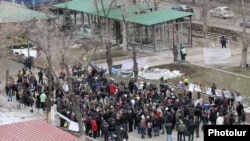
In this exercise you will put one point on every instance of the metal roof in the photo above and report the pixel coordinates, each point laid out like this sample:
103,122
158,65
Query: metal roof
147,19
86,6
34,130
129,11
159,16
18,13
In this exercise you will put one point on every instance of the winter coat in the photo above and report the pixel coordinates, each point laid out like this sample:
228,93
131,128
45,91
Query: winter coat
182,128
94,125
43,97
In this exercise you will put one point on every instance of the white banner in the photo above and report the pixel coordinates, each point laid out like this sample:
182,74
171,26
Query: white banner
209,91
218,93
217,55
129,64
191,87
197,88
238,98
227,94
73,126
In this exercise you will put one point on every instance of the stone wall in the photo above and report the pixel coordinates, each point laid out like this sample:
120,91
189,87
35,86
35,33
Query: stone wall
197,28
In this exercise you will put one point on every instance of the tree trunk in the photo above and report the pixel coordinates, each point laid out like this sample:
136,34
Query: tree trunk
204,15
244,38
49,75
109,57
124,37
156,5
75,104
124,32
135,68
49,103
204,19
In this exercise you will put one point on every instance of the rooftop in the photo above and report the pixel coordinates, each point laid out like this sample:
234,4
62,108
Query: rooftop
142,14
34,130
18,13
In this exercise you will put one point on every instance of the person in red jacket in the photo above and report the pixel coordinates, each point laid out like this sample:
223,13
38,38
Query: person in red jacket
94,127
112,88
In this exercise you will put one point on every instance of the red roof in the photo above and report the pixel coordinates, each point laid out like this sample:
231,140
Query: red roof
34,130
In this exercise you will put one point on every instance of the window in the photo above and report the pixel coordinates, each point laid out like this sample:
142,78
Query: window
226,9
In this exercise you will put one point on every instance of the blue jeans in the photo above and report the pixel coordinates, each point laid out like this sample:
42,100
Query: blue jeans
156,131
139,128
142,132
169,137
112,133
18,104
9,96
181,136
163,128
124,126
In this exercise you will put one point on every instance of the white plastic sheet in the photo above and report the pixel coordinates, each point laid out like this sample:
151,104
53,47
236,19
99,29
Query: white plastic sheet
128,64
26,52
217,55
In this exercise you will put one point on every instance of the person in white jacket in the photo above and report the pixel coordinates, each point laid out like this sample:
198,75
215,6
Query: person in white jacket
220,120
66,87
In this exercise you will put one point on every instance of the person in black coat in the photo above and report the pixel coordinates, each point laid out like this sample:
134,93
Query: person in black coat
223,42
169,129
18,101
191,128
239,109
130,118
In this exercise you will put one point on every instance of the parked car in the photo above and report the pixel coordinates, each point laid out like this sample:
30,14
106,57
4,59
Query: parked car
247,23
185,8
222,12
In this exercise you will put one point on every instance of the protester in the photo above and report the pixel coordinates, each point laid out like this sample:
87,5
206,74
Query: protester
169,130
43,98
111,108
223,42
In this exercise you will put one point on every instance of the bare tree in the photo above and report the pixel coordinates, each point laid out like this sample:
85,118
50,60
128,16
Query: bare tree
104,30
204,15
155,4
135,67
244,38
53,40
124,29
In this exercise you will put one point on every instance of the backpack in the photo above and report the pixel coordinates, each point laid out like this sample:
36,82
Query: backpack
21,73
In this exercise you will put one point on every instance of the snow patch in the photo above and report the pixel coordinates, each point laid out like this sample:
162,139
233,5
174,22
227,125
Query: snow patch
157,73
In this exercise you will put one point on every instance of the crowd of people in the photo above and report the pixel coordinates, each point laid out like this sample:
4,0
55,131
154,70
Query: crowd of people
110,109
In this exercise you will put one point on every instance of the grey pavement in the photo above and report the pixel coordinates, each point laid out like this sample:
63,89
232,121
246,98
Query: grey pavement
194,56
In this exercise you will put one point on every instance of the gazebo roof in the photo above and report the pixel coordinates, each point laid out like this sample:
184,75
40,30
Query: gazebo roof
142,14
